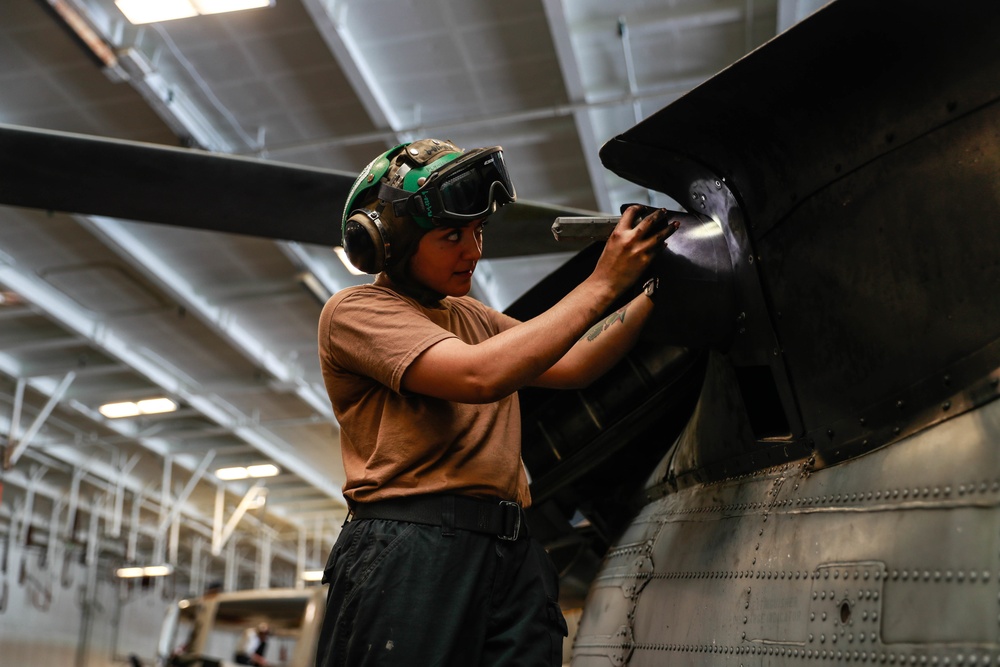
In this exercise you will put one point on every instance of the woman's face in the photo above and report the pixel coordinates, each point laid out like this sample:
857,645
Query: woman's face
446,258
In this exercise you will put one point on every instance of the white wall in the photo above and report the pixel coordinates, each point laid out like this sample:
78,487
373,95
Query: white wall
43,619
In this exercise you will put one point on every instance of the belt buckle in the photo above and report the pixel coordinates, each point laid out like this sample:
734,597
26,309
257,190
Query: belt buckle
504,504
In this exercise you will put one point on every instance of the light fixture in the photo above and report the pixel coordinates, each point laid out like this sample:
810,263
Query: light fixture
148,406
312,575
240,472
230,474
134,572
262,470
152,11
156,406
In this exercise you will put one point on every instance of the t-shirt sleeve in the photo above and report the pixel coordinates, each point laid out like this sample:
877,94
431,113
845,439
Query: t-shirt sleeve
501,321
378,334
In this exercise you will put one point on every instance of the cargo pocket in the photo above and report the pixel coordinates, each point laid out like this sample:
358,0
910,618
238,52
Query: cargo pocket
558,630
367,555
554,619
353,571
345,542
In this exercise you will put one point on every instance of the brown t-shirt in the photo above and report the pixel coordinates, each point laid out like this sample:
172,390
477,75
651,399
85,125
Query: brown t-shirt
397,444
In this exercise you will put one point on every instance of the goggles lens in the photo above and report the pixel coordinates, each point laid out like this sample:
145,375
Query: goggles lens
475,188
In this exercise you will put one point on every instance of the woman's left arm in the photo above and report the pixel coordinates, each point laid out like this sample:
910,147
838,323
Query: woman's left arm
600,348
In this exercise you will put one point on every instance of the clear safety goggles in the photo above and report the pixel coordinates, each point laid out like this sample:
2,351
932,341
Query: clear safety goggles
473,186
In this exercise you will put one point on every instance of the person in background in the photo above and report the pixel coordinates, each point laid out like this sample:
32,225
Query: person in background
252,645
435,566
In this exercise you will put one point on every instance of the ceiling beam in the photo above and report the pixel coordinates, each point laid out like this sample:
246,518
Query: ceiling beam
17,443
573,82
330,19
121,237
104,335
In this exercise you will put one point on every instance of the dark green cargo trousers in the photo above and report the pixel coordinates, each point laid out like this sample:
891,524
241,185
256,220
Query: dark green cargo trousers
406,594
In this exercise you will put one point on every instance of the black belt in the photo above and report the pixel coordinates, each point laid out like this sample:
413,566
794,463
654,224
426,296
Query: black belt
503,518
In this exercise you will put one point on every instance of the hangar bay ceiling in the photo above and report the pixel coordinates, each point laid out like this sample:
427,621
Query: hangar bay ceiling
96,310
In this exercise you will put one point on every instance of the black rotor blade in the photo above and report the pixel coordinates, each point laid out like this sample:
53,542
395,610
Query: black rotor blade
74,173
525,228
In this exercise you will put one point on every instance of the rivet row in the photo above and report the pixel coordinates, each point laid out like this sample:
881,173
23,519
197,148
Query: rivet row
862,496
874,657
959,576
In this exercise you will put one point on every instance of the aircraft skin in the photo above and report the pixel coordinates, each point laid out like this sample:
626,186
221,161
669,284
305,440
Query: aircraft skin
834,496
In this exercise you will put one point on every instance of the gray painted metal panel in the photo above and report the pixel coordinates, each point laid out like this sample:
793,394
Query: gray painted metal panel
883,559
835,494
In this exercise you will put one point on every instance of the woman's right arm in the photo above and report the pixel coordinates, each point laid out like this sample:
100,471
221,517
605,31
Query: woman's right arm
499,366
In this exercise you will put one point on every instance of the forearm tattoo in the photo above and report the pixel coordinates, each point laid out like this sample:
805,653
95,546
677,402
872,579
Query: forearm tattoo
617,316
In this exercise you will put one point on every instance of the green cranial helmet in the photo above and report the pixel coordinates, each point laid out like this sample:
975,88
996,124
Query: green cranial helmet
431,183
401,167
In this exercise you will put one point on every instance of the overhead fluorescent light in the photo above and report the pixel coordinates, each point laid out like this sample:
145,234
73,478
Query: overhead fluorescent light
156,406
147,571
119,410
148,406
153,11
240,472
232,473
263,470
145,11
128,572
222,6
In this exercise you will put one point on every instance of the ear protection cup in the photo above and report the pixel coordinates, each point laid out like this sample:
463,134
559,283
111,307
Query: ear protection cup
367,241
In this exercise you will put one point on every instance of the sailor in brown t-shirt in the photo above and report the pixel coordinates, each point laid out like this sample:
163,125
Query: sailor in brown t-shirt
435,567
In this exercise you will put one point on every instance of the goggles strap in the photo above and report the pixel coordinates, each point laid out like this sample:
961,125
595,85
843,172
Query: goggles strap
399,199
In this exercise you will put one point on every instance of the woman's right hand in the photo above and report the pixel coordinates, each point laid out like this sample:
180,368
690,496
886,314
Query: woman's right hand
633,245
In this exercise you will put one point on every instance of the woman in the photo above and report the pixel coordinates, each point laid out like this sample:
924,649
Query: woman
435,566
